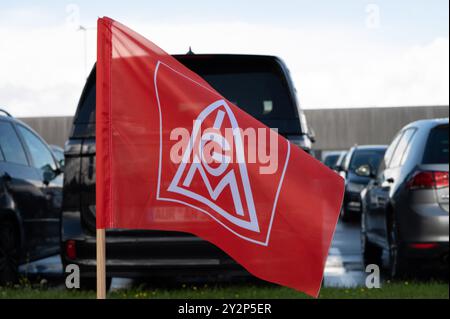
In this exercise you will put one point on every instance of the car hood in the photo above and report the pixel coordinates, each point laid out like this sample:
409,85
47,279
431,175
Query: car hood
356,179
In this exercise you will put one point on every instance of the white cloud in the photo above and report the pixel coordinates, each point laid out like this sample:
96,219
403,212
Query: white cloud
43,69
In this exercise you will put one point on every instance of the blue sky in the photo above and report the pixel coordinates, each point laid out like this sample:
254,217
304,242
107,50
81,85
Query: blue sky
330,46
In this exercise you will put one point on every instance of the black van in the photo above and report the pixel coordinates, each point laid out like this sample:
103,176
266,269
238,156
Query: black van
260,84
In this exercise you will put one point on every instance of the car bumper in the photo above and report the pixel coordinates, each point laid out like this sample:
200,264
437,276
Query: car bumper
352,202
425,232
153,256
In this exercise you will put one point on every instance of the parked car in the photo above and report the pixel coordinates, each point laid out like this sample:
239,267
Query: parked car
259,84
406,206
330,159
358,157
30,197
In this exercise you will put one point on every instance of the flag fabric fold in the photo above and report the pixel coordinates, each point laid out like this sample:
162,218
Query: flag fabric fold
173,154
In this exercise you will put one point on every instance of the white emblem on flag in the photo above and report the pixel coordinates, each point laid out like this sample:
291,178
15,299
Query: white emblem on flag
230,179
194,173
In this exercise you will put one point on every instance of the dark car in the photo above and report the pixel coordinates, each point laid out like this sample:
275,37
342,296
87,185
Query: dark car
30,197
357,157
405,207
259,84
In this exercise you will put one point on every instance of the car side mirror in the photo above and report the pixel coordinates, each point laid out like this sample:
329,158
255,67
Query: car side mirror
364,171
312,135
48,176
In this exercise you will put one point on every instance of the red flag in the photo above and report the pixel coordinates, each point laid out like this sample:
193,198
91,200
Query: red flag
173,154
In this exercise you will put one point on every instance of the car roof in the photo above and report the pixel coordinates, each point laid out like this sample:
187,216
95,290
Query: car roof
371,147
428,123
9,118
231,58
226,56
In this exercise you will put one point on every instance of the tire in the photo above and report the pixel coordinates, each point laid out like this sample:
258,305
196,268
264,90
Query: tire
371,253
397,262
9,253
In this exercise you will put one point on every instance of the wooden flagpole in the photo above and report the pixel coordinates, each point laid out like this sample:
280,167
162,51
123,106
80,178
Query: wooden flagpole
101,264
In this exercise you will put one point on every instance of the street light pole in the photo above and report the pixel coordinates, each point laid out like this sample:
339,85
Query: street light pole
84,29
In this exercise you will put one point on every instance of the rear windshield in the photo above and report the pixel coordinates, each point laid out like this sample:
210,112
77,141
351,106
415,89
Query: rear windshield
364,157
258,86
436,151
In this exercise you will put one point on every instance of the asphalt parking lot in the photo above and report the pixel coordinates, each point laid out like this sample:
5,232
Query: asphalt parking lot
343,268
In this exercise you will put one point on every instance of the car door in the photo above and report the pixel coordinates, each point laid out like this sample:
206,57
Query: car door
47,214
19,183
376,193
389,181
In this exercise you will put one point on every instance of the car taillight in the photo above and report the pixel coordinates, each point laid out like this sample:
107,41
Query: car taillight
423,245
71,249
441,179
426,180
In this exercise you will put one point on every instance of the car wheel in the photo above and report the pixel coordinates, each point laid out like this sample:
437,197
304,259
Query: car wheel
371,254
397,262
9,253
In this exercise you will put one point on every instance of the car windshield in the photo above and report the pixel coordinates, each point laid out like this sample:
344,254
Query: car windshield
257,85
261,94
436,151
331,160
366,157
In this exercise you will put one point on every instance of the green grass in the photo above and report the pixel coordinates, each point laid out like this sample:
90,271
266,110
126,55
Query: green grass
399,290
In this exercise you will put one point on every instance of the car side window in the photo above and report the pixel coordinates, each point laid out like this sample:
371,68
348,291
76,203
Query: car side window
41,155
10,146
408,148
390,151
401,148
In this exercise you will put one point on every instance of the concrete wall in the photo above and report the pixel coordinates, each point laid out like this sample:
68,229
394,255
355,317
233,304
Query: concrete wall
55,130
342,128
335,128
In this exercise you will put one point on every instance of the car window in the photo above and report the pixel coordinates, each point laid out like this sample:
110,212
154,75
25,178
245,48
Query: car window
330,160
59,155
261,94
390,151
408,148
259,86
401,148
436,151
370,157
10,146
41,155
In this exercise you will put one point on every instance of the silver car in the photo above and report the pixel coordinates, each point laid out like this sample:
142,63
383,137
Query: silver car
405,207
